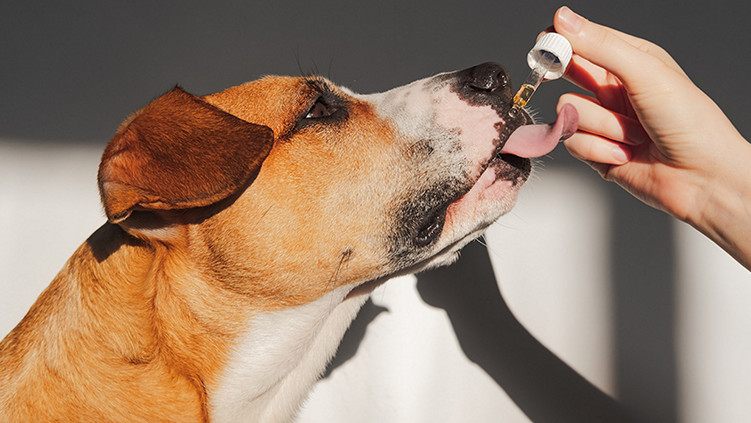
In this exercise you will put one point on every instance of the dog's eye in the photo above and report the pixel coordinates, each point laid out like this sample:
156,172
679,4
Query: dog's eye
320,110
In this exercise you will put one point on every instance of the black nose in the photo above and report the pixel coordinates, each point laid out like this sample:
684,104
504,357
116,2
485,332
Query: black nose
487,77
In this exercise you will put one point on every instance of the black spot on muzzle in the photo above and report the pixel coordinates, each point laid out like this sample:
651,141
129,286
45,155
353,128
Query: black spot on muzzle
487,84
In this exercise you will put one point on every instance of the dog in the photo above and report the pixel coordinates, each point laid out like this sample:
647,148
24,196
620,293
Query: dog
245,230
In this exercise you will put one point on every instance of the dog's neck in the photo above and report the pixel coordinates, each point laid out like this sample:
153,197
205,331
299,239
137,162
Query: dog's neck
279,358
100,322
224,360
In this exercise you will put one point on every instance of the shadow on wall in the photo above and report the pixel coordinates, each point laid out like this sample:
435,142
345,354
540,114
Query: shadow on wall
354,335
544,387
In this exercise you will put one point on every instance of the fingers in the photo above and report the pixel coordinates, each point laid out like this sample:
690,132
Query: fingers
604,138
597,120
640,43
598,152
650,48
624,56
585,74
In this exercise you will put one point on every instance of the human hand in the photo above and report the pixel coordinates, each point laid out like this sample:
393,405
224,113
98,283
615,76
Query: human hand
652,131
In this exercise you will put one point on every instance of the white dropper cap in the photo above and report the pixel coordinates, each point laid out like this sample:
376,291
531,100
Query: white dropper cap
555,44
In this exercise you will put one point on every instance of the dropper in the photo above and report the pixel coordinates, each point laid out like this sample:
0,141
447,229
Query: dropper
548,59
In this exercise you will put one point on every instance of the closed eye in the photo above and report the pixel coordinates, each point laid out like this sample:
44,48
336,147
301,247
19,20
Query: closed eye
320,110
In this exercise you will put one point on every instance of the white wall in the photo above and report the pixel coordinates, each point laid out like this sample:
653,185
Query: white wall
552,257
48,207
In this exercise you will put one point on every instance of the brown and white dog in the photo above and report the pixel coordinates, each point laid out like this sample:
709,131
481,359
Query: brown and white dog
246,229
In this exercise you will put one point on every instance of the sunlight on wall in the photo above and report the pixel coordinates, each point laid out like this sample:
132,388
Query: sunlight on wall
49,205
714,332
409,369
551,257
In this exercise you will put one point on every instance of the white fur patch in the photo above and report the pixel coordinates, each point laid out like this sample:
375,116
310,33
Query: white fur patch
428,109
279,358
476,125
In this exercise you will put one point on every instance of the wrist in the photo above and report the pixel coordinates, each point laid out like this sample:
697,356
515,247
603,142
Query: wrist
723,211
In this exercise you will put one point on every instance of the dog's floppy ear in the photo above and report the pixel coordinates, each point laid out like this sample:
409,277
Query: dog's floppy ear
179,152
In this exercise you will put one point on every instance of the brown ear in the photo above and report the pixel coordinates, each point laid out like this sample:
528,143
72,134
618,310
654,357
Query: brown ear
179,152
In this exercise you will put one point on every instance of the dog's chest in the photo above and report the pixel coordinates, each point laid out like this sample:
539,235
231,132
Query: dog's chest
278,359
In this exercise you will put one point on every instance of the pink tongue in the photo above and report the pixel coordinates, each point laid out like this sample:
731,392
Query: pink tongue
539,140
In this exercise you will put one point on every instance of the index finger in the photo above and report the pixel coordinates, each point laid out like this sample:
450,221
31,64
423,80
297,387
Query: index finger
587,75
650,48
623,55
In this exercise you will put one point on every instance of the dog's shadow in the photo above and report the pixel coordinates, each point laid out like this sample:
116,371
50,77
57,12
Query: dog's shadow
544,387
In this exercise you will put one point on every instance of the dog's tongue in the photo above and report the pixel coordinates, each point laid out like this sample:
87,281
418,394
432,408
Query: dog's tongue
539,140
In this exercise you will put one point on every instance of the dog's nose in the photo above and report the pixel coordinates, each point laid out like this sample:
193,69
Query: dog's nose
487,77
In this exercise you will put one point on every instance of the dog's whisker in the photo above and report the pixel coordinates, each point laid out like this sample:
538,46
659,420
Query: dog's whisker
343,258
491,251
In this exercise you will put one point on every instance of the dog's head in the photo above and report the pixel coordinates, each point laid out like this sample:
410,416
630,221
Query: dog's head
301,182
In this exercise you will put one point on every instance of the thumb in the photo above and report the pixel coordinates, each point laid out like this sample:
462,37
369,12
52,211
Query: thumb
639,64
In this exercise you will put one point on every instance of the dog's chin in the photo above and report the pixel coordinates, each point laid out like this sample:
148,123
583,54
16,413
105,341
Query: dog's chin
493,195
444,255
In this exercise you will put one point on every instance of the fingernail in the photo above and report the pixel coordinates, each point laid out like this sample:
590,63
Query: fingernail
620,155
569,20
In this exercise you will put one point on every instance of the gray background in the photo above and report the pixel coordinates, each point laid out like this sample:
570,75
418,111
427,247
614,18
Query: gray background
71,71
